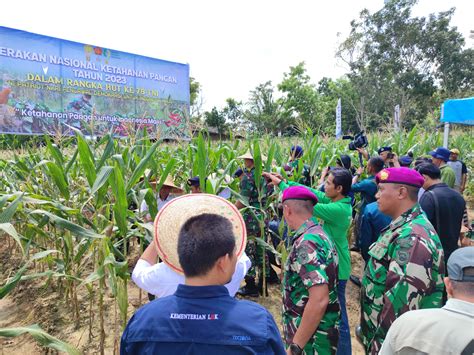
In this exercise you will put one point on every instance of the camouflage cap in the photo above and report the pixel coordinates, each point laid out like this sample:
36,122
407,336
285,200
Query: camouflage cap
404,176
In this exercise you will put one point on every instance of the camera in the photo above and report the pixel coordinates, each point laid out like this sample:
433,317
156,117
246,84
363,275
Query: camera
358,141
390,155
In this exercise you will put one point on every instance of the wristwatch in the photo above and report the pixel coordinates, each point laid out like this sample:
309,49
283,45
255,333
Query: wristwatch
296,349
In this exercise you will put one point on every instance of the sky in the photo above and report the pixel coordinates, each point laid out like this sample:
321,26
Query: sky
230,46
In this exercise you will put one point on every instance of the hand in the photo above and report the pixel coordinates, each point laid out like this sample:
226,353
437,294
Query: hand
278,176
273,178
363,152
394,160
325,171
360,170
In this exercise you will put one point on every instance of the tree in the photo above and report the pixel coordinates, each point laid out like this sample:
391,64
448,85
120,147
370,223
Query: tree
263,113
395,58
329,92
215,119
300,98
195,99
234,115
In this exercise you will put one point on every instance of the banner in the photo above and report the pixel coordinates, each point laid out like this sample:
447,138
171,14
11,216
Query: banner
50,86
458,111
338,119
396,118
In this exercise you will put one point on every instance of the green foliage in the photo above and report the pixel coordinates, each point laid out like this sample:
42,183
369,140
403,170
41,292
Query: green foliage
72,210
41,337
216,119
395,58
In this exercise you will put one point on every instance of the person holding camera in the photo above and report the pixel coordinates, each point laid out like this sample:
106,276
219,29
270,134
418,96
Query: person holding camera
367,189
386,153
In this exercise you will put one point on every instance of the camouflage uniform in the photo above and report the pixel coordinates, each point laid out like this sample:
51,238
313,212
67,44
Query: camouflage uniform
248,189
405,272
312,260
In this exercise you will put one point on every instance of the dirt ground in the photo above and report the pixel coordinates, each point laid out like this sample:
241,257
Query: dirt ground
273,301
34,302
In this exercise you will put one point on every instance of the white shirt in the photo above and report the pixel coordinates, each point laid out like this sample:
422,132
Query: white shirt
160,280
159,202
433,331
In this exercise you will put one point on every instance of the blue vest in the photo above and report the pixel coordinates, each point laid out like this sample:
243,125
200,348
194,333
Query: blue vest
201,320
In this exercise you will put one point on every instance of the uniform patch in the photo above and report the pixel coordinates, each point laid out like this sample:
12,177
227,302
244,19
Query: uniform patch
302,254
402,257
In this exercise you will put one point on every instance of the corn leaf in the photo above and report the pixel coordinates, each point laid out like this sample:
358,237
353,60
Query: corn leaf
101,178
140,169
8,213
74,228
41,337
11,231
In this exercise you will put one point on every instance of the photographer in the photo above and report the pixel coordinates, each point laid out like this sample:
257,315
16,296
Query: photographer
389,158
367,189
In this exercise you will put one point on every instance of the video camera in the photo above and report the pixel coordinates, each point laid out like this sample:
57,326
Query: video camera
358,141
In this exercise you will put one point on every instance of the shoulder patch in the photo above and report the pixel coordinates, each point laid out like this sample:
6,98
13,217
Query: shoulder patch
402,257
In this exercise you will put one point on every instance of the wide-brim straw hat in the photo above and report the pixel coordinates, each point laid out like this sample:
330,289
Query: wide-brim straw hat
170,183
249,155
174,214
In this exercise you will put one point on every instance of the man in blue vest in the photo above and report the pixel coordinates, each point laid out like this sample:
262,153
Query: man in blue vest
201,317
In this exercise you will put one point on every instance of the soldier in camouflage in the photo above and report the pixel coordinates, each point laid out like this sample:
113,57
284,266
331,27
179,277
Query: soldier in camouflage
406,266
253,217
311,312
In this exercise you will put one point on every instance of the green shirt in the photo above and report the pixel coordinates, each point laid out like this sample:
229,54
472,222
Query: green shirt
448,176
336,218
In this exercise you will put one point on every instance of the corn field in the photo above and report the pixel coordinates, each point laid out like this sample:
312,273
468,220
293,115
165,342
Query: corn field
69,210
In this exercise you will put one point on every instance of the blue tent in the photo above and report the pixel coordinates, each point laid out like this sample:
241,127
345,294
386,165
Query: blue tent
458,111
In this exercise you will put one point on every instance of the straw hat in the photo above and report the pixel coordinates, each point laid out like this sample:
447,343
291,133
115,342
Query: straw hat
175,213
169,182
249,155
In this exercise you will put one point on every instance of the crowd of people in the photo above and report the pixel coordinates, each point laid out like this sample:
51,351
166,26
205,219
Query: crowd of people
410,225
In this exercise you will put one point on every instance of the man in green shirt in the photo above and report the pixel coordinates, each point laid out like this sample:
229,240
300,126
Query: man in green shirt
335,211
440,159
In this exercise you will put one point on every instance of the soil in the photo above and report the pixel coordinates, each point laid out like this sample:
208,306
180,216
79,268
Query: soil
38,302
34,302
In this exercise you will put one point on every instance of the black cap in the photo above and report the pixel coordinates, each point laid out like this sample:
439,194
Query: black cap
384,149
238,172
194,181
405,160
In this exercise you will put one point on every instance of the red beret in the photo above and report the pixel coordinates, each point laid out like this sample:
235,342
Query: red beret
299,193
404,176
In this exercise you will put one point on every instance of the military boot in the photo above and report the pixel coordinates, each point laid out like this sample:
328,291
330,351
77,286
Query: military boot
250,288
